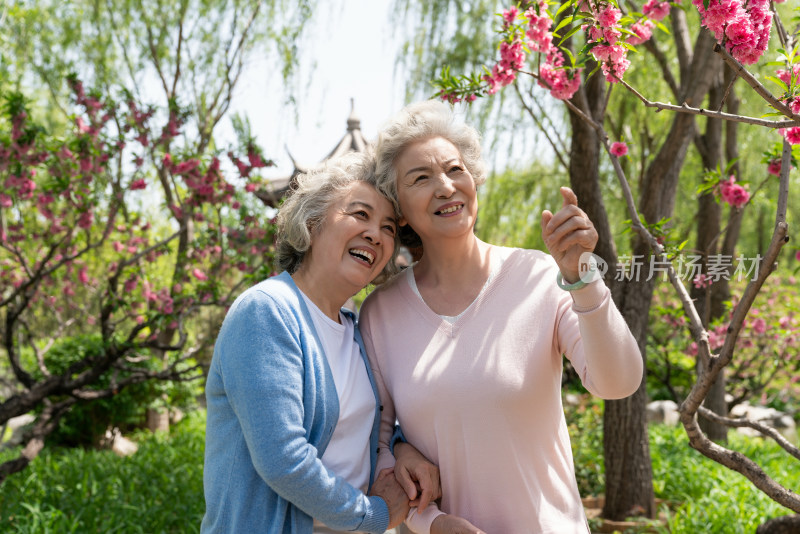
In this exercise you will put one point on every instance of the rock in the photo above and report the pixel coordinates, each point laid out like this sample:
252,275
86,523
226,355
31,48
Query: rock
124,447
770,417
118,443
18,425
663,412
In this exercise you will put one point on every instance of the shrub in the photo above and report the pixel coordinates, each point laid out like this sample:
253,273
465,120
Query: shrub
86,423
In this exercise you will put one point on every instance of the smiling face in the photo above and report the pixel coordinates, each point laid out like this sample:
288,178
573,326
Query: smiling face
436,192
356,239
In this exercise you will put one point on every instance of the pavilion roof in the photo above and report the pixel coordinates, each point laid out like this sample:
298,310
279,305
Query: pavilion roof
352,141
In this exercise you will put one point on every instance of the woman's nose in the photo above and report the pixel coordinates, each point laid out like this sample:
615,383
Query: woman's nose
444,186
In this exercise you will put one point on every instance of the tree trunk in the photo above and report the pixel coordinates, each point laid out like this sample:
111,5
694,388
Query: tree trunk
625,422
626,446
629,475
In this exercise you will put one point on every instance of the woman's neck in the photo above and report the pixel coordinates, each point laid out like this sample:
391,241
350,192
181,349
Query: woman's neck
451,274
328,297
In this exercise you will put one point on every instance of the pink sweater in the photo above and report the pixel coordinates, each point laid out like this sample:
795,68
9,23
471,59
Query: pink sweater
481,398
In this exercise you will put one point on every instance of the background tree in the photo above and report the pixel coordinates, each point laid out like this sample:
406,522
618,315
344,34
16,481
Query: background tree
125,227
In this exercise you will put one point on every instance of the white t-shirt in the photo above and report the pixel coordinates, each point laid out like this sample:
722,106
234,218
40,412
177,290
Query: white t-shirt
347,454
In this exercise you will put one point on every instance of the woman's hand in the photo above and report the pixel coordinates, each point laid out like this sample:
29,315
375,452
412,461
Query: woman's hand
387,488
451,524
568,234
418,476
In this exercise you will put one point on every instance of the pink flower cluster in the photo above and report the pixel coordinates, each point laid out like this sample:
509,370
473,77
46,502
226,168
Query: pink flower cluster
733,193
512,59
606,34
562,82
743,26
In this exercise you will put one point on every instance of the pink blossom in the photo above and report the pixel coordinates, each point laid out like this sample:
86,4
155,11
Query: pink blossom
255,160
619,149
733,193
785,322
200,275
656,10
118,247
138,184
5,201
787,76
643,31
85,220
702,280
83,275
130,284
609,16
791,134
139,319
797,256
774,167
493,84
186,166
82,127
759,325
510,15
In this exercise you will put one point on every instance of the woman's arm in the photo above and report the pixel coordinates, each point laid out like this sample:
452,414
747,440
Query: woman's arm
591,331
420,518
263,369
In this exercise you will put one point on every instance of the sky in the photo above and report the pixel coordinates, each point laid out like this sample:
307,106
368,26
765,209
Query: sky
354,51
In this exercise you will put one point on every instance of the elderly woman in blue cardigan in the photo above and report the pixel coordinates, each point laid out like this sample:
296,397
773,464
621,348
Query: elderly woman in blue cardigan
293,411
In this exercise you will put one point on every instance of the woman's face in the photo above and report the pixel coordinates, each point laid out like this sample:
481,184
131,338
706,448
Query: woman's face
436,192
356,239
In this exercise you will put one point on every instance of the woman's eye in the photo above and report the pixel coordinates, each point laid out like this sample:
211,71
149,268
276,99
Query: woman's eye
420,178
456,168
390,229
361,213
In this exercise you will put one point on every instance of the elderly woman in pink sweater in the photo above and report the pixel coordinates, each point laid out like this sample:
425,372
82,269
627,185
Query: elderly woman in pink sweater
466,345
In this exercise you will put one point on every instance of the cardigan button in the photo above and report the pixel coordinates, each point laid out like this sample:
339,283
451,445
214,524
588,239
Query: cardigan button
381,407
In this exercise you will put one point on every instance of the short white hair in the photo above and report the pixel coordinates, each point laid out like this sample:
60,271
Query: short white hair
415,122
307,204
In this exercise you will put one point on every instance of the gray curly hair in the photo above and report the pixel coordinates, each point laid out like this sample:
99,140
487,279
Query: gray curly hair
415,122
307,204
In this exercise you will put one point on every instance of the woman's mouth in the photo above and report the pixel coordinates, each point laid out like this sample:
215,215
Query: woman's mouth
450,209
362,254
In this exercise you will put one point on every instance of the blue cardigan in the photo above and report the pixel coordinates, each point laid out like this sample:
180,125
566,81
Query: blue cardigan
272,408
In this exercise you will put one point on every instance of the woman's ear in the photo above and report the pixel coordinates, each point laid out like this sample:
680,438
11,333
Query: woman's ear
402,221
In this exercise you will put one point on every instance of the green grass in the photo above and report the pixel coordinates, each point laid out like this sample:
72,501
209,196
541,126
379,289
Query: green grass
160,488
703,496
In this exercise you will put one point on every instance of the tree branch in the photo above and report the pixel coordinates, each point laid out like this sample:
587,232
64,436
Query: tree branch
684,108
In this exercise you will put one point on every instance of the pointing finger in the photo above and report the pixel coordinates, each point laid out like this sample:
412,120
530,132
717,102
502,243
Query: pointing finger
569,197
